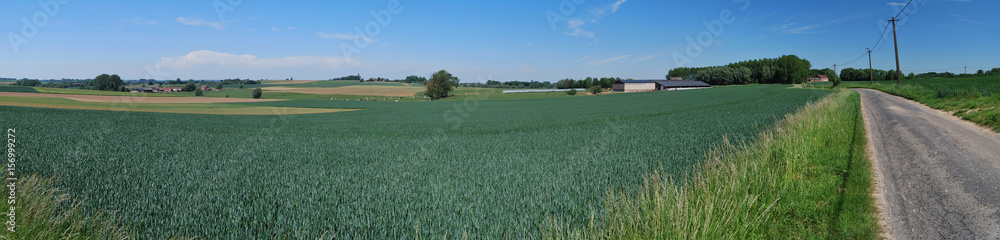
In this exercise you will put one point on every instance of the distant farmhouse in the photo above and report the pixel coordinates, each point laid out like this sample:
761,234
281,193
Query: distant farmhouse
657,85
820,78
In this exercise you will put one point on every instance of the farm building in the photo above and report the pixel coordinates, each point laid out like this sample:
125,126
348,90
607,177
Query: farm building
656,85
820,78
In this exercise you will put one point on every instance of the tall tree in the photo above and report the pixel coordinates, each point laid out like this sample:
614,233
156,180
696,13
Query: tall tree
440,84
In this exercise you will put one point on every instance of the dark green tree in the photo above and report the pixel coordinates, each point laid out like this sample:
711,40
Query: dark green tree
218,86
440,84
189,87
198,92
257,93
571,92
596,89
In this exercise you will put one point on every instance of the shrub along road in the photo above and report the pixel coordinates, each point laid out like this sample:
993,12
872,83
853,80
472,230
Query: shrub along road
940,176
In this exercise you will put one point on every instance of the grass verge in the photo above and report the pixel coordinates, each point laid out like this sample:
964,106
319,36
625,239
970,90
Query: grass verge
42,211
808,178
977,106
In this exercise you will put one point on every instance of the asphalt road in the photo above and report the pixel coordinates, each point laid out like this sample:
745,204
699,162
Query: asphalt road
938,176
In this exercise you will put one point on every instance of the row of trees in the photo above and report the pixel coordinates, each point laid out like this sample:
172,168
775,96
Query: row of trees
28,83
853,74
785,69
510,84
604,82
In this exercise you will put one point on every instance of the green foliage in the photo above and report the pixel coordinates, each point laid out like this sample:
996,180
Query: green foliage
596,90
440,85
28,83
219,86
724,76
571,92
972,98
257,93
390,171
786,69
43,211
106,82
198,92
189,87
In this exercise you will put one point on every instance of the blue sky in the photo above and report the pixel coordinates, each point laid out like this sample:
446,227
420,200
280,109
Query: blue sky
543,40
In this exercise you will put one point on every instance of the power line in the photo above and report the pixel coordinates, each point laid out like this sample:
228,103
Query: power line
881,37
921,3
904,9
855,60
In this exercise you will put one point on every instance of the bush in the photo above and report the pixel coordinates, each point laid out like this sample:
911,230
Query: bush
189,87
571,92
257,93
198,92
595,90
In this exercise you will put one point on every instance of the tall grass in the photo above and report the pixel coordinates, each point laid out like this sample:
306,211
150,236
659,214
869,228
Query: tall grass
807,178
43,211
975,99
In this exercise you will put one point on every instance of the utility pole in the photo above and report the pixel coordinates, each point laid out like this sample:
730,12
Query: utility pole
899,73
835,71
871,75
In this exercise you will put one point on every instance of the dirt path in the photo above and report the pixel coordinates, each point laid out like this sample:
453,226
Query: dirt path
131,99
938,176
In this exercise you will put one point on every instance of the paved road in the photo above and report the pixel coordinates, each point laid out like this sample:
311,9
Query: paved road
939,176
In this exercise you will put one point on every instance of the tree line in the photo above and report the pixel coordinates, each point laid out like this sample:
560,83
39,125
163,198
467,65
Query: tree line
604,82
786,69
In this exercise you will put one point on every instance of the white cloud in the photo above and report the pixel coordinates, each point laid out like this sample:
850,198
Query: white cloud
216,64
576,25
609,60
343,36
896,4
278,29
196,22
649,57
607,10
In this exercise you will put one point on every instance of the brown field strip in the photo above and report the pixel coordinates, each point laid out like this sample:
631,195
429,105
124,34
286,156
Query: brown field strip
385,91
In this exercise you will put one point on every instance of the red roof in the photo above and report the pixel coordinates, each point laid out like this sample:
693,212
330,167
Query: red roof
822,76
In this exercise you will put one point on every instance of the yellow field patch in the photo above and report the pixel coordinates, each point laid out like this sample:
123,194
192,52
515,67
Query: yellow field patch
190,108
359,90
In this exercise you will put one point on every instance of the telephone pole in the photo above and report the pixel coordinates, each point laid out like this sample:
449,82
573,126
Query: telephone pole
899,73
871,75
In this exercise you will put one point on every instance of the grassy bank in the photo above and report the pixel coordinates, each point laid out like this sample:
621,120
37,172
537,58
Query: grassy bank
42,211
975,99
808,178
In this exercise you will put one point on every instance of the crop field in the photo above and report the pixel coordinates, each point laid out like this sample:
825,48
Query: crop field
475,168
